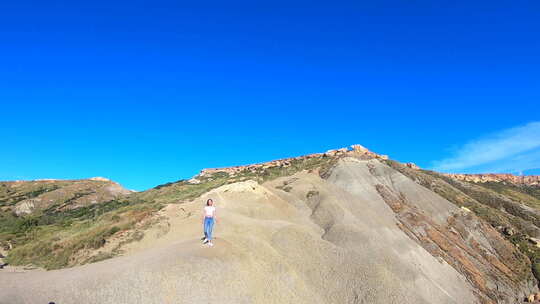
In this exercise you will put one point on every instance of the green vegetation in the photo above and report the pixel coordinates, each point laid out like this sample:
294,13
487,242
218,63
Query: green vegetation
528,195
48,195
487,204
10,195
184,190
53,240
519,216
57,237
491,202
521,240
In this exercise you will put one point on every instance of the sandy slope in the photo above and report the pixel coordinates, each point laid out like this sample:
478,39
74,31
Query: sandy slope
323,241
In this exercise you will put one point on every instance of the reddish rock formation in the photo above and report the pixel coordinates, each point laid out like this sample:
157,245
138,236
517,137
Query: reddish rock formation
355,150
492,265
412,166
360,150
531,180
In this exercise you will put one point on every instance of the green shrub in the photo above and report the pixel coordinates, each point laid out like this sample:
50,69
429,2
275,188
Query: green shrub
536,269
113,230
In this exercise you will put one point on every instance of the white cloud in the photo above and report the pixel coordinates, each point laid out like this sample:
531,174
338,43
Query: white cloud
511,150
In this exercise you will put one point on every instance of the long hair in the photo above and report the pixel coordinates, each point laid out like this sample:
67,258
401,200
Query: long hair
208,201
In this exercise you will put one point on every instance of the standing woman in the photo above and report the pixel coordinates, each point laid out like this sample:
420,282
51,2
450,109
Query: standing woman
209,216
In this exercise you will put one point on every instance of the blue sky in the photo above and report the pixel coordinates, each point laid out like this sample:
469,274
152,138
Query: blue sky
147,92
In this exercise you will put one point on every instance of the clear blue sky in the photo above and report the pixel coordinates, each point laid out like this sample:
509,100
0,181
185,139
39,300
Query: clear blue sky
147,92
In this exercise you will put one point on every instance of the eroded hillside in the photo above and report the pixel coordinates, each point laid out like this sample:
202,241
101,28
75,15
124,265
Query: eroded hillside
346,226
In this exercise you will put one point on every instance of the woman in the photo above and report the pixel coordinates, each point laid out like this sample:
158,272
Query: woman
209,216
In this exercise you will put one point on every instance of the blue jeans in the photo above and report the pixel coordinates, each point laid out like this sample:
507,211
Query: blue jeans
208,226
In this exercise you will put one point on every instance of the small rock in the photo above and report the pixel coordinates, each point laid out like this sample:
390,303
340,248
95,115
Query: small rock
535,241
194,181
359,148
537,296
412,166
8,246
509,231
99,178
530,298
331,152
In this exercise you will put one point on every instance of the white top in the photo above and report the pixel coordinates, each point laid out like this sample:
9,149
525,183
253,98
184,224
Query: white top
209,211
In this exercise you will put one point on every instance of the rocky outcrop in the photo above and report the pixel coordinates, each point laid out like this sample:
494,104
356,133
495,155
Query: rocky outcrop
533,298
412,166
530,180
354,150
99,178
358,150
25,207
285,162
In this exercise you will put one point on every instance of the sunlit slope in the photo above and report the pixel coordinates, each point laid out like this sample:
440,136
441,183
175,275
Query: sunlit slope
28,197
364,233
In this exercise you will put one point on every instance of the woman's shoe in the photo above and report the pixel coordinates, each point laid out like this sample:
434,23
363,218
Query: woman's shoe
210,244
205,241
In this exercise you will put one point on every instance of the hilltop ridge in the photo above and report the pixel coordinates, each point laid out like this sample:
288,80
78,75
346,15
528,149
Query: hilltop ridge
531,180
353,150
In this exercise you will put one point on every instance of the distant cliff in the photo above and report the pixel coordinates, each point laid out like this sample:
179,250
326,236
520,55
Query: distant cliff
530,180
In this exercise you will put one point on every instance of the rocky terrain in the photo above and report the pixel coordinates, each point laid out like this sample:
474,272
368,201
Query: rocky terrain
357,150
529,180
345,226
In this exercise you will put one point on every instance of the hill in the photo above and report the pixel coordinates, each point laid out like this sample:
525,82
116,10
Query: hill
27,197
34,215
345,226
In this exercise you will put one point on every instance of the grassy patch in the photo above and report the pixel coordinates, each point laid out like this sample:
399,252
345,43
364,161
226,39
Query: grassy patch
55,238
52,240
183,190
10,195
528,195
99,257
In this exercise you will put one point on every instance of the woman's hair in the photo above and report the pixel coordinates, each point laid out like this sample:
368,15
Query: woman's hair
208,201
